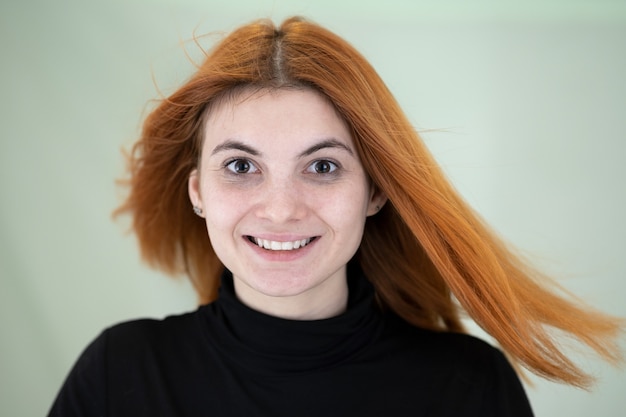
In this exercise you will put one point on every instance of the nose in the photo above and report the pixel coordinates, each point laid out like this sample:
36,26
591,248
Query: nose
281,202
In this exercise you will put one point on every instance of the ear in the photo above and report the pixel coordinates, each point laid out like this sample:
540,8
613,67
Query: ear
377,201
193,188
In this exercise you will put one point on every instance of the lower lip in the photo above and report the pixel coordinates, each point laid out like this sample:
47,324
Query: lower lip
281,255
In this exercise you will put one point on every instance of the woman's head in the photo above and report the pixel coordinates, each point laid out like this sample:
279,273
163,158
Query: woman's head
257,58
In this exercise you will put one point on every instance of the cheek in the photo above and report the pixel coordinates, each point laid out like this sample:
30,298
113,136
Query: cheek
346,208
222,209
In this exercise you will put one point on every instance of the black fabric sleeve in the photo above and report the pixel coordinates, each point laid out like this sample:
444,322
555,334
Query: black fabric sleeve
506,396
84,391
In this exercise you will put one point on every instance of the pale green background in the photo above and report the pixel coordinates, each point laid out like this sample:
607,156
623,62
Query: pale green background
523,103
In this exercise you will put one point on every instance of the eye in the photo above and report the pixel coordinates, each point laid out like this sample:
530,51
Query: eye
241,166
322,166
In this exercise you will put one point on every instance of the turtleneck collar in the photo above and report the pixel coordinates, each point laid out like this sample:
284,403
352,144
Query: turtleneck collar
272,345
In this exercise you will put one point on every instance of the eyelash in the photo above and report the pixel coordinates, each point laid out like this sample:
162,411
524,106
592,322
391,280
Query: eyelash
333,167
229,165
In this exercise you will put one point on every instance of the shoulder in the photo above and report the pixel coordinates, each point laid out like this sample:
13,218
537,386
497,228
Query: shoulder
460,366
138,337
148,329
117,369
127,345
439,343
447,354
134,337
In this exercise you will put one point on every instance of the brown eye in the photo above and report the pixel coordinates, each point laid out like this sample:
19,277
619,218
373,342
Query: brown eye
241,166
323,167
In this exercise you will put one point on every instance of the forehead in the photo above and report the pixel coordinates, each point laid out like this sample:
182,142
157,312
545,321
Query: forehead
254,114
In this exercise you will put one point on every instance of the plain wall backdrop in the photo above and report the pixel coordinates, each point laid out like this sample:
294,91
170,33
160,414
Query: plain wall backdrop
522,102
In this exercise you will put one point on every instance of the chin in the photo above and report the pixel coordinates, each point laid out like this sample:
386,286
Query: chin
282,287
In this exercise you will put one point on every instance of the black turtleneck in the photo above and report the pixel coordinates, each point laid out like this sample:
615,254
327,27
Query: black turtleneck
226,359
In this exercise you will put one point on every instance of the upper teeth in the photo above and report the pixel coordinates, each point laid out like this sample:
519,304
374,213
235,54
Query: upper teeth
274,245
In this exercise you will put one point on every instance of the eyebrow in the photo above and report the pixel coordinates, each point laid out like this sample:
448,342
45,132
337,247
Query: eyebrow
240,146
328,143
235,145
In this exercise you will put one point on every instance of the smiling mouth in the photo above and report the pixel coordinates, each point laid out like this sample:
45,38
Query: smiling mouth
276,246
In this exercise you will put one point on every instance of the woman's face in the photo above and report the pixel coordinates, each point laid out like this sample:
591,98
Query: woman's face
285,199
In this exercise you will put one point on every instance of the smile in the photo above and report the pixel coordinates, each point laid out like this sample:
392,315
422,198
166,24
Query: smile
274,245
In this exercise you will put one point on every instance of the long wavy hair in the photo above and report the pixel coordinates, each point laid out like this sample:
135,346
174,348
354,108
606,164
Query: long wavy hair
427,253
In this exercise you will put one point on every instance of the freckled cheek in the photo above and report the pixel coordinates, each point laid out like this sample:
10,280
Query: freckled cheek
223,210
345,207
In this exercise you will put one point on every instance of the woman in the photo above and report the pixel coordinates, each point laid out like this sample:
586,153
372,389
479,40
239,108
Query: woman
331,257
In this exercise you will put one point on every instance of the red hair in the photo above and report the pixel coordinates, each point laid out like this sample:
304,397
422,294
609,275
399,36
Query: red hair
426,252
